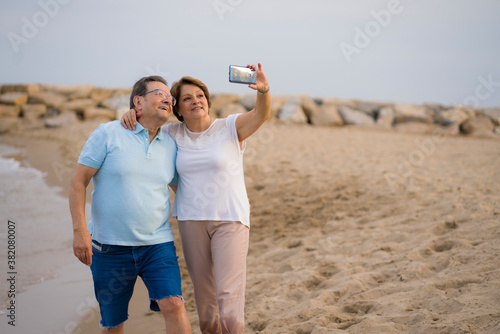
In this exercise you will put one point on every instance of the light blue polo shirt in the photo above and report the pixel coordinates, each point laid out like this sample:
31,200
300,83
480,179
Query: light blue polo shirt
130,202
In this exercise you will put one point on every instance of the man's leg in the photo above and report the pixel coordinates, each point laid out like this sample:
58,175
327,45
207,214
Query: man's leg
114,277
196,246
113,330
229,253
174,312
160,273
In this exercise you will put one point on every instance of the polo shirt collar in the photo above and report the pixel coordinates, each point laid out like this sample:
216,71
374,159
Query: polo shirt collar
139,128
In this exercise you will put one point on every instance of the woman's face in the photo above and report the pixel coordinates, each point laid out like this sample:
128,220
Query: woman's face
192,102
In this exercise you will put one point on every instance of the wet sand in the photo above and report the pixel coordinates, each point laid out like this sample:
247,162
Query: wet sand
50,290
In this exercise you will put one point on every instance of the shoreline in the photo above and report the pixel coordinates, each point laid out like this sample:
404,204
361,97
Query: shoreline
46,155
48,280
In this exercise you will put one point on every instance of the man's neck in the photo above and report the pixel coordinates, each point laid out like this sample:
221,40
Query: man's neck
153,129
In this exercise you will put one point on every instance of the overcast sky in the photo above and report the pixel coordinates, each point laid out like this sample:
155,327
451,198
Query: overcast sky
416,51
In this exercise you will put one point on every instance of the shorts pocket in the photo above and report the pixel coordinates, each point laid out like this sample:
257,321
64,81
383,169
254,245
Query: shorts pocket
101,248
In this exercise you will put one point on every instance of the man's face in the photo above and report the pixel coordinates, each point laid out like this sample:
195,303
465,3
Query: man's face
157,102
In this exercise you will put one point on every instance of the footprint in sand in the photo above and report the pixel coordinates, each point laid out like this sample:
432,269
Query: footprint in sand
443,245
445,228
361,307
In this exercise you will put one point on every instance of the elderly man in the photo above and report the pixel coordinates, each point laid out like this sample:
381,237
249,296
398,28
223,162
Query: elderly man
129,234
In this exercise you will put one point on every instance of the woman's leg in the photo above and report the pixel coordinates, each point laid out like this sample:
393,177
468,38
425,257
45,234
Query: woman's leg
197,253
229,252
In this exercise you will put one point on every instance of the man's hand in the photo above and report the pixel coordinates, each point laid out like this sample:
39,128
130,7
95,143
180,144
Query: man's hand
82,247
82,241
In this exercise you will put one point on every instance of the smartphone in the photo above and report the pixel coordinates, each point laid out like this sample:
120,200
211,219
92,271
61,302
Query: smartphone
242,74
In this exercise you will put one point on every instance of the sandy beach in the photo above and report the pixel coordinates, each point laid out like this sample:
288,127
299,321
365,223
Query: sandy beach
353,230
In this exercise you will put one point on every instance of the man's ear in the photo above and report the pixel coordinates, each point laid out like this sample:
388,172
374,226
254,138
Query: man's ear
138,103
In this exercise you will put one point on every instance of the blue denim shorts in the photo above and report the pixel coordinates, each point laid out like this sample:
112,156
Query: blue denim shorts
115,270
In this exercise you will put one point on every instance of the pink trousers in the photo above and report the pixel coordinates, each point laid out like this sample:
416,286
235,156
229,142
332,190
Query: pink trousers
215,254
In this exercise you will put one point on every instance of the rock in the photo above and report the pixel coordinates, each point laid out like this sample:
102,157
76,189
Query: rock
327,115
50,99
493,114
98,112
277,103
78,105
355,117
120,104
248,101
309,106
14,98
30,88
412,113
30,125
480,126
318,101
61,120
117,102
339,102
9,110
292,112
101,94
233,108
71,92
454,115
220,100
385,117
51,112
122,91
81,92
370,108
497,130
282,99
448,130
119,113
434,110
33,111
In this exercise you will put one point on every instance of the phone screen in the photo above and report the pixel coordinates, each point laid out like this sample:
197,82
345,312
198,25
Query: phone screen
242,74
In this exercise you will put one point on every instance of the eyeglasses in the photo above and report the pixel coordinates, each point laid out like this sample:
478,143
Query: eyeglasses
163,95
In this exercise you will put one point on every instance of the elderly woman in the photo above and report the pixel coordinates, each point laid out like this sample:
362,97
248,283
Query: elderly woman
211,203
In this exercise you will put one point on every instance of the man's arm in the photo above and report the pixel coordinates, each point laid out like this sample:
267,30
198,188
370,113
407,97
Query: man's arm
82,241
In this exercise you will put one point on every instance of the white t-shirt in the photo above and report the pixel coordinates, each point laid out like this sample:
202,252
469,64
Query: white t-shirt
210,167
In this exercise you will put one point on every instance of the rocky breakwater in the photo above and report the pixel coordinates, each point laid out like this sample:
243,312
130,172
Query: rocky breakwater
31,107
427,118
